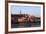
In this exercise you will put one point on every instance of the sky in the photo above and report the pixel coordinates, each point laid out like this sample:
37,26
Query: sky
31,10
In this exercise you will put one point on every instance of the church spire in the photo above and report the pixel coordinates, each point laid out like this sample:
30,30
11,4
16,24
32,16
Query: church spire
20,11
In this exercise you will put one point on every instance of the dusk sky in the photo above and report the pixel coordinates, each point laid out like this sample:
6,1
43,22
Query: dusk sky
31,10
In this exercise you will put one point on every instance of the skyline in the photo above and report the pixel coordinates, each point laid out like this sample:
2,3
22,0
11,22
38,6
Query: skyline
31,10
